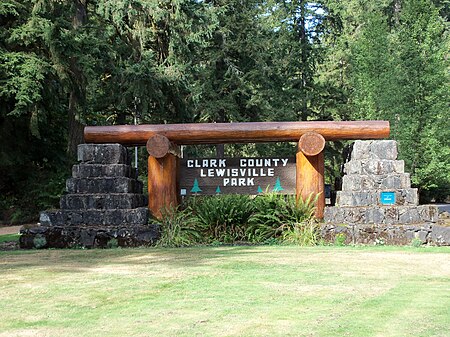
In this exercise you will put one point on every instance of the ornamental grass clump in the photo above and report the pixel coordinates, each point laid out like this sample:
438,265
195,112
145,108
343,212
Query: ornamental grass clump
177,229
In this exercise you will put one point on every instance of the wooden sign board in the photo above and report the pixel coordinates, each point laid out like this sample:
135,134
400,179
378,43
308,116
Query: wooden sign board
211,176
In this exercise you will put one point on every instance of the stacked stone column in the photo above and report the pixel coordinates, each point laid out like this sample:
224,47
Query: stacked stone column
359,210
104,204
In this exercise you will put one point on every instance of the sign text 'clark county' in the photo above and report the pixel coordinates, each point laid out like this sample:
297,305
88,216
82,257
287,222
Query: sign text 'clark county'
207,176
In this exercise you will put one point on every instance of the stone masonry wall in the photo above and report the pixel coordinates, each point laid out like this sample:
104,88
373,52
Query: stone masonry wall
104,204
359,210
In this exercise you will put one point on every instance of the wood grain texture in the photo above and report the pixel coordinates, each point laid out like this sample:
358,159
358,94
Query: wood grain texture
158,146
310,180
162,184
251,132
311,143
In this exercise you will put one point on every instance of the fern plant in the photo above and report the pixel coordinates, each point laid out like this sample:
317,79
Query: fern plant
222,218
276,213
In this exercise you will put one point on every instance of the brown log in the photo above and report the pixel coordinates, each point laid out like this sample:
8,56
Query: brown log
251,132
310,180
311,143
158,146
162,184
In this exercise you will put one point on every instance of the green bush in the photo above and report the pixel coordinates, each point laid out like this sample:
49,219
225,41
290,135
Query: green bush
177,229
222,218
268,219
339,239
275,214
416,242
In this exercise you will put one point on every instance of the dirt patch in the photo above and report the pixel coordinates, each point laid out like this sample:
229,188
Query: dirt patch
10,230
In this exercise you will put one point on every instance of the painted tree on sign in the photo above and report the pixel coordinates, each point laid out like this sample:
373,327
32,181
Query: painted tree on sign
260,189
196,188
218,190
278,187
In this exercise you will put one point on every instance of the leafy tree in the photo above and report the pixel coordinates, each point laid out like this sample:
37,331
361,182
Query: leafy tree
422,126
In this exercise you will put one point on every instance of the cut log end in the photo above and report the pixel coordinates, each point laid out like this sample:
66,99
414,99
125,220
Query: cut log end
311,143
158,146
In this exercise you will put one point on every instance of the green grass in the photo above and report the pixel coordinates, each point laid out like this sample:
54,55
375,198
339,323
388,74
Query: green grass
9,237
226,291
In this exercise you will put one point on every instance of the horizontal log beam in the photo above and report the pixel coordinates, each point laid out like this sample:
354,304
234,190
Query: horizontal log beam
250,132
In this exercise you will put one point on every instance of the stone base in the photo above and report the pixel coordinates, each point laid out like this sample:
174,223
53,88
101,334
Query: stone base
93,217
387,215
387,234
88,236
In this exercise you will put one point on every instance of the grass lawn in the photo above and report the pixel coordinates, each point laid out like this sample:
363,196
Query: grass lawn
226,291
9,237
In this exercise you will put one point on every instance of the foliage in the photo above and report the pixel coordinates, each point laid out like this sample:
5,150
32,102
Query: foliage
303,234
177,229
400,47
222,218
64,64
269,218
339,239
113,243
416,242
275,214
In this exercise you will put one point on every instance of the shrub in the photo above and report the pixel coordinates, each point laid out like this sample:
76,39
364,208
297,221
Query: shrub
339,239
177,229
113,243
416,242
275,214
222,218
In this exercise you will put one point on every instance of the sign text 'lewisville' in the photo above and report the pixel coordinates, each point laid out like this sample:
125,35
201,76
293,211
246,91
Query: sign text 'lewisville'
208,176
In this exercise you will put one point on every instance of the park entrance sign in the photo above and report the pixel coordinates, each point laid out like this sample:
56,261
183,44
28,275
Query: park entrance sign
210,176
162,142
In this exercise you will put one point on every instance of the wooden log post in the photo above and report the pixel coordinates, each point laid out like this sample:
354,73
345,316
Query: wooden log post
310,170
162,175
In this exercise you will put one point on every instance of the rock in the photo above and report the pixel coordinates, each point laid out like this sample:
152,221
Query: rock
104,185
103,154
103,201
91,237
369,149
374,167
440,236
383,149
98,170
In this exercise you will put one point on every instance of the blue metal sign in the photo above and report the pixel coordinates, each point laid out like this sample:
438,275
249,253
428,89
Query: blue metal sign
387,198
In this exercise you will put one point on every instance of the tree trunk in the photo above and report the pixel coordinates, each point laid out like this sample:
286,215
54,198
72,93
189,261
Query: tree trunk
304,57
77,93
75,132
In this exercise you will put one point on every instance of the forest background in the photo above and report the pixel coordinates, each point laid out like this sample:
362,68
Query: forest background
66,64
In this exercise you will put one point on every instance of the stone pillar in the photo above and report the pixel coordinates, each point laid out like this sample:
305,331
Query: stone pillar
103,201
372,172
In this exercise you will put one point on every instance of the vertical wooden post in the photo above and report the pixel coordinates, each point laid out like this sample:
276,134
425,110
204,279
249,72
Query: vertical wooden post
310,170
162,175
162,183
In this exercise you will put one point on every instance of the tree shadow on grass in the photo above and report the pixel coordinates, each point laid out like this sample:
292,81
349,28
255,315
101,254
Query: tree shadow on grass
71,260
